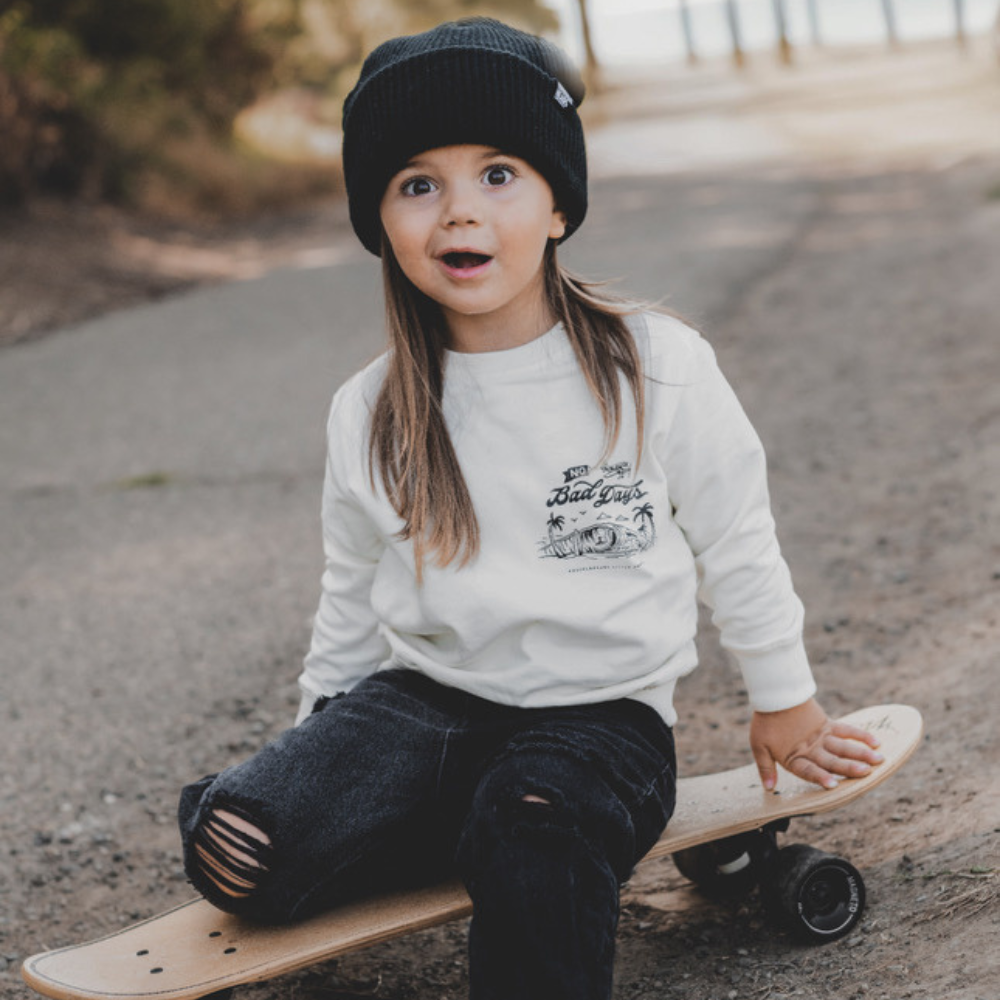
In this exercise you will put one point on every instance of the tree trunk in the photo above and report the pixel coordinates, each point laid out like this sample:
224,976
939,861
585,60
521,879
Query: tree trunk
996,36
591,67
733,19
688,30
960,35
781,24
889,12
814,25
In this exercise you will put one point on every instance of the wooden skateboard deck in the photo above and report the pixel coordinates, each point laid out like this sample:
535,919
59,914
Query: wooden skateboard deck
195,950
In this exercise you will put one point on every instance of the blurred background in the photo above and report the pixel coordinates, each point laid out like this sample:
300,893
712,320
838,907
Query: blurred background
815,184
140,138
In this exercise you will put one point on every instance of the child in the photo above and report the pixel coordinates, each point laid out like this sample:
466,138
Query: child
523,498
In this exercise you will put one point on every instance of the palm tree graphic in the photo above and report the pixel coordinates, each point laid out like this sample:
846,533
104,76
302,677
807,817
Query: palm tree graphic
555,523
646,529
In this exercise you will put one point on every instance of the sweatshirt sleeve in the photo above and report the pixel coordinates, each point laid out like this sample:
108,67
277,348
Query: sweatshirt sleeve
346,643
717,479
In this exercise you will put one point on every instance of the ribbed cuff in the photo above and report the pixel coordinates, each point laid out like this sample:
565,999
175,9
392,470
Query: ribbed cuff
778,678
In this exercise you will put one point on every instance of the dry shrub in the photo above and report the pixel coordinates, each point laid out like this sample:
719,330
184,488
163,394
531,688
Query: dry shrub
198,177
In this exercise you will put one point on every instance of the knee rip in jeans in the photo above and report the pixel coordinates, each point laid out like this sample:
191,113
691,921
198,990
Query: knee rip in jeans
535,798
538,807
538,813
232,850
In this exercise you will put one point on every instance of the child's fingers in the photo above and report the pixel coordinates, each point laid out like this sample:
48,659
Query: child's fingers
852,750
766,768
809,769
849,732
833,758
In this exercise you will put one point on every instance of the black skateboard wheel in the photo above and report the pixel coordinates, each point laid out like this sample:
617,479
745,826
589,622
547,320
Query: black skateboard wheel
819,895
723,869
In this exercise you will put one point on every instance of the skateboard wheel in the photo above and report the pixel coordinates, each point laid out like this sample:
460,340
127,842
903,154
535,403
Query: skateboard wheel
820,895
723,869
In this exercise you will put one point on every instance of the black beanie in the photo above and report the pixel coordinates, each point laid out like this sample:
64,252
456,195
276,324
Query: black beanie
476,82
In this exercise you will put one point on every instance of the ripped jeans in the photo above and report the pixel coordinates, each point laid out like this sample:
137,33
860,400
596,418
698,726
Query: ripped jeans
542,812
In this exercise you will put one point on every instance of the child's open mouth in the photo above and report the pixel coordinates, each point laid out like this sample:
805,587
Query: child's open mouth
465,261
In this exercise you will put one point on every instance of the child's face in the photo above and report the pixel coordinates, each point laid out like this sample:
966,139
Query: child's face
469,226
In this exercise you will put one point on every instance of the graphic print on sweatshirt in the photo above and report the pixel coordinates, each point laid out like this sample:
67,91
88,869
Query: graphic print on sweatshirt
599,515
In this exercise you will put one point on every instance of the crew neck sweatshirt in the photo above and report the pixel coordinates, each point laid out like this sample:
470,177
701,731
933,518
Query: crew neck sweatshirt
591,565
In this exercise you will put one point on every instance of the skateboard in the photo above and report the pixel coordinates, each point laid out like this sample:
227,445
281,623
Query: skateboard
723,837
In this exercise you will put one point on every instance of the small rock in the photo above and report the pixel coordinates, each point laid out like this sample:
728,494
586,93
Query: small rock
69,833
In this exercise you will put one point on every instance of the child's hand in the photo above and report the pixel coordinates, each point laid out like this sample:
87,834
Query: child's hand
812,746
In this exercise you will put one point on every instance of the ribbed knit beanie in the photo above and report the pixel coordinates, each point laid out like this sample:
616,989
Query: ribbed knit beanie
476,81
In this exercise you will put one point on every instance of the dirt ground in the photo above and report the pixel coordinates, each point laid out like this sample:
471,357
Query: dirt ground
877,333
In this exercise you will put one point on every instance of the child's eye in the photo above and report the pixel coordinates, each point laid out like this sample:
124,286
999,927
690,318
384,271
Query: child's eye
499,174
416,186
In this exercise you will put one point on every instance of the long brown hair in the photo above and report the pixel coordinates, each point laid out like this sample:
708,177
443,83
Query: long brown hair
409,446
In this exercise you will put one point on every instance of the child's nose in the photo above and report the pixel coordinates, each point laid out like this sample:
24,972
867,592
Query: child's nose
462,206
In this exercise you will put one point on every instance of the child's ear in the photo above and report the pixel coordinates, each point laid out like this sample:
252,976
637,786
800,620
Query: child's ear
557,230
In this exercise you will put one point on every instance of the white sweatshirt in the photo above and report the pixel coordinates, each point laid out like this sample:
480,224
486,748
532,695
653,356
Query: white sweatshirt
585,587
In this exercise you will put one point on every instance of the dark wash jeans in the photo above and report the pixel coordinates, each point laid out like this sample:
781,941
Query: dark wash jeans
402,781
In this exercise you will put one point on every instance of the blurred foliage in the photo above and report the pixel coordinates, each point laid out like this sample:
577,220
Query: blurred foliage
95,93
337,34
134,100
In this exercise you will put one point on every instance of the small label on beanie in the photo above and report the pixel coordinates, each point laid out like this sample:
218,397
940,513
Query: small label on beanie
562,96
